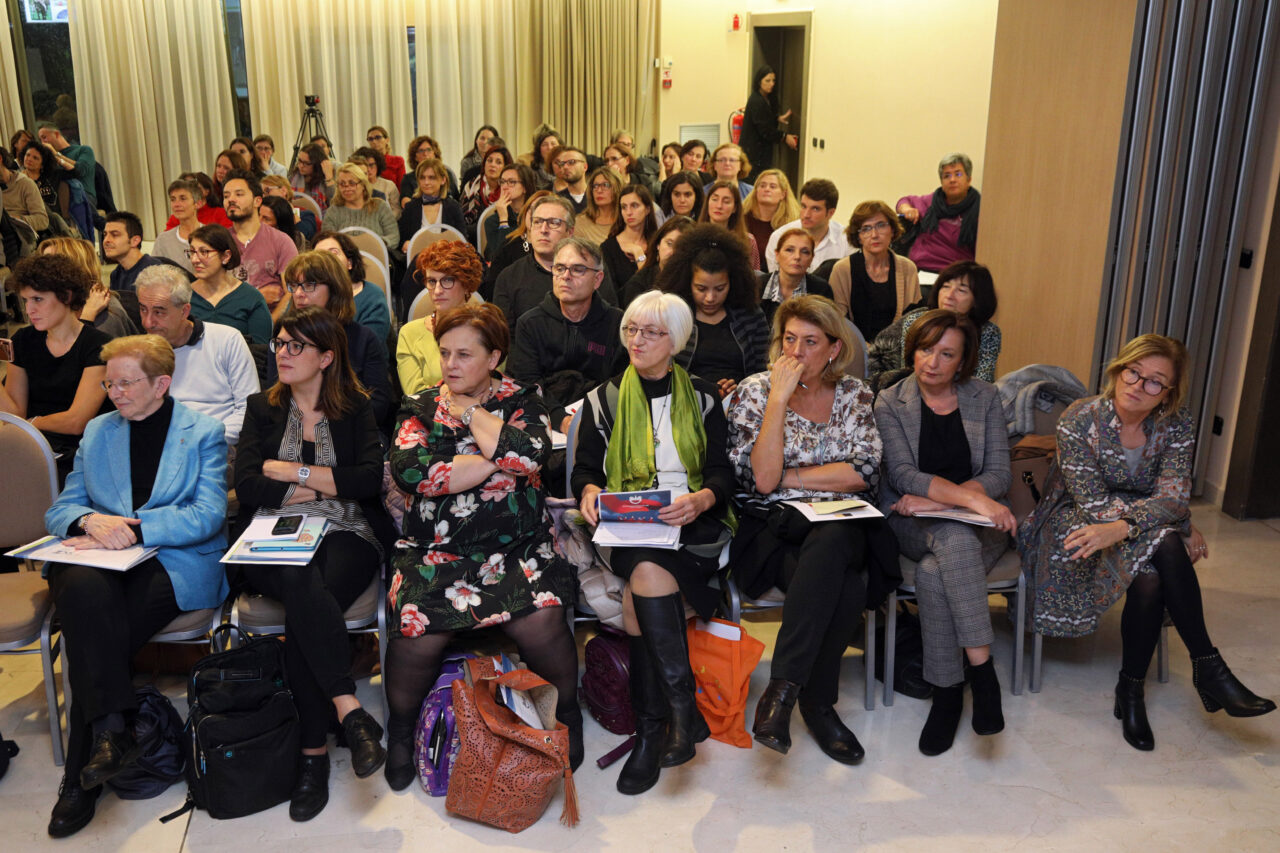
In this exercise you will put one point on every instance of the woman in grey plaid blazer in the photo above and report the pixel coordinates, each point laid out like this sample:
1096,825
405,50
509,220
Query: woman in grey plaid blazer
945,448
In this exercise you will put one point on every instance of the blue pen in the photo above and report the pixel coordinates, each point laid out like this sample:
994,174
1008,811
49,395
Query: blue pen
281,548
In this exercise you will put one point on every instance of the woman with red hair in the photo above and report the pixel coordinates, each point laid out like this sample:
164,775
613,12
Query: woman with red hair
450,272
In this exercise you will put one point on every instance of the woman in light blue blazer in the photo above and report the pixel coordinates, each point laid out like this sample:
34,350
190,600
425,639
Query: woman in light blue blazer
152,472
945,447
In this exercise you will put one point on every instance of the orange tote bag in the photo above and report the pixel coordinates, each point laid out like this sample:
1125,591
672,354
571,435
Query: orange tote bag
723,655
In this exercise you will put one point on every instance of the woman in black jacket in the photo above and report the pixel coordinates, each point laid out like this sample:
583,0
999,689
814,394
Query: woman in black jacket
730,339
310,445
762,126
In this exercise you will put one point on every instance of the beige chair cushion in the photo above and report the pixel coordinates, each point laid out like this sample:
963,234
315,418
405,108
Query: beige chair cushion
187,621
26,473
24,600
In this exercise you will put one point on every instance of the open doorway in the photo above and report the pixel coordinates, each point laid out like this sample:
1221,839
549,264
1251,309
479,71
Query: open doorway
781,41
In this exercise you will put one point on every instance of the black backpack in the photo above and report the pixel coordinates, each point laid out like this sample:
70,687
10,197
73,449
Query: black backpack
158,729
242,734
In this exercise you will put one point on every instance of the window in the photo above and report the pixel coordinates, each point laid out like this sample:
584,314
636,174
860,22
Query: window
42,52
413,76
239,69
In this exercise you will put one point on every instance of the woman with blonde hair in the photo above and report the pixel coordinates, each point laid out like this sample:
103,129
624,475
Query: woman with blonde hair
1115,521
102,309
354,205
429,205
730,163
770,205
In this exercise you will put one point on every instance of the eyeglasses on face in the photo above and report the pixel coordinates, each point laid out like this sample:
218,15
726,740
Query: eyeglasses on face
444,282
576,270
509,182
549,222
291,347
1153,387
873,227
374,137
122,384
564,164
204,253
304,286
346,185
648,334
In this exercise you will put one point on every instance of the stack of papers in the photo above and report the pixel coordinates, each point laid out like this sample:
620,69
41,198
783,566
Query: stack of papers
967,516
51,549
835,510
259,545
630,520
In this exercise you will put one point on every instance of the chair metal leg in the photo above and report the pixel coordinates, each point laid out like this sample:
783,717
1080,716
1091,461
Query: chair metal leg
382,652
1162,655
890,645
869,658
49,649
1019,632
1037,648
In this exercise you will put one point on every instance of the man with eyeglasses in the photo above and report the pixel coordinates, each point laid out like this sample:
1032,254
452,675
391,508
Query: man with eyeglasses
571,165
569,343
818,198
264,251
213,372
524,284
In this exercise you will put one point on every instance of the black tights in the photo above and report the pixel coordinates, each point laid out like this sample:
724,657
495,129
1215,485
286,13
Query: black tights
1172,586
413,664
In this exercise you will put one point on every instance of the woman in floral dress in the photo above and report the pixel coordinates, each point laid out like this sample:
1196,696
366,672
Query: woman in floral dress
477,549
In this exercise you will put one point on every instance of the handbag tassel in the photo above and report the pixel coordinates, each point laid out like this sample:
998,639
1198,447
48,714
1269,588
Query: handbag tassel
569,817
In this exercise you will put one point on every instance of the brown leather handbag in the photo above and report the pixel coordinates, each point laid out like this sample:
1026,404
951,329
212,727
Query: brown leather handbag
506,771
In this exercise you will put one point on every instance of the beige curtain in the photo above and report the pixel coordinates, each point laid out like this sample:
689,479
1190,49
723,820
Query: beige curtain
583,66
354,55
153,91
10,100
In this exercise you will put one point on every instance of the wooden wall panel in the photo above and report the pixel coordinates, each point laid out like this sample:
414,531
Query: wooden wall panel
1053,136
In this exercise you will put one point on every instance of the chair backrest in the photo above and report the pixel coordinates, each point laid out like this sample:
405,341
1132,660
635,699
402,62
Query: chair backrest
857,367
480,235
369,242
376,273
429,234
571,450
29,471
306,202
421,307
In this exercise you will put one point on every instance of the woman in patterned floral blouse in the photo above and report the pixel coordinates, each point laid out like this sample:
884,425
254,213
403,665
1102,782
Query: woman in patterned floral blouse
1112,522
477,549
804,431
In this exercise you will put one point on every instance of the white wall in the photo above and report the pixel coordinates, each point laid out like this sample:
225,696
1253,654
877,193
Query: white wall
893,84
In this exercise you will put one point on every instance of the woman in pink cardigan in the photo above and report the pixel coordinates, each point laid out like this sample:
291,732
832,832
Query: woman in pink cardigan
946,222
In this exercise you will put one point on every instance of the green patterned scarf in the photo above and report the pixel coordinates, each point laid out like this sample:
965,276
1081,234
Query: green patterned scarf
630,461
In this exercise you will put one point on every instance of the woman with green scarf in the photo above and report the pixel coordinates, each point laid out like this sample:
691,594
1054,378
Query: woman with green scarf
657,427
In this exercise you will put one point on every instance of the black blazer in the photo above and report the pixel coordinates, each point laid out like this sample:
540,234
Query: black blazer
358,474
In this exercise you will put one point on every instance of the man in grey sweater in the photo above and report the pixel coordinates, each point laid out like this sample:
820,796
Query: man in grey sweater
214,373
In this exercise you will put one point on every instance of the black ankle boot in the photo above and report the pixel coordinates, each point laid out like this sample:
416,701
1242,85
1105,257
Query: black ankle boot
665,633
1220,689
364,739
988,716
644,764
772,726
74,809
572,718
1131,711
939,730
400,769
833,736
311,791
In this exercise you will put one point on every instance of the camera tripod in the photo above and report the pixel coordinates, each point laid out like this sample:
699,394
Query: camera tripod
312,125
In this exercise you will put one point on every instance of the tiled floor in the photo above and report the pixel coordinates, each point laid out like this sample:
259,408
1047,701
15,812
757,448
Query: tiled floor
1059,778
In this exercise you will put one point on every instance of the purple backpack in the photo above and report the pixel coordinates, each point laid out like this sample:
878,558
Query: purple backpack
435,741
605,689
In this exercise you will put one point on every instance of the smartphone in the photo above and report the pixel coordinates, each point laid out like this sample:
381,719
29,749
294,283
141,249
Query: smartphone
6,349
287,524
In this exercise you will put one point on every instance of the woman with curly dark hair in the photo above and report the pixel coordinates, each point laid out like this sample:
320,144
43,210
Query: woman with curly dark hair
710,270
55,377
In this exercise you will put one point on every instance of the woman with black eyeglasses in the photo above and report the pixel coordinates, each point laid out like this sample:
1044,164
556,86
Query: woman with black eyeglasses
310,445
317,279
217,296
1115,520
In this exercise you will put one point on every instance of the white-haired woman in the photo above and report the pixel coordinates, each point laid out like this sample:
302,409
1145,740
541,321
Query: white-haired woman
655,426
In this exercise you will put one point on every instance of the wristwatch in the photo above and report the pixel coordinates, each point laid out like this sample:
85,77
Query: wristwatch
303,473
468,413
1133,527
80,522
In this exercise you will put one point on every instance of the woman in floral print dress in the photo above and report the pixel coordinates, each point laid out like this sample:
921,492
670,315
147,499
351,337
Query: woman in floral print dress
477,549
1115,521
